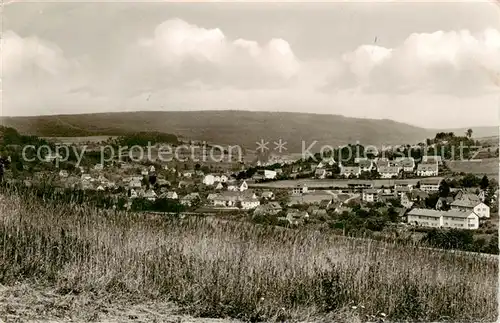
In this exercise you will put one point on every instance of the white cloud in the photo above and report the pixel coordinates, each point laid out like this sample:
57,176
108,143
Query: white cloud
22,55
194,52
451,62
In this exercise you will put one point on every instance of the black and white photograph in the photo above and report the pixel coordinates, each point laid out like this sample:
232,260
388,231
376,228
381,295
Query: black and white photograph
249,161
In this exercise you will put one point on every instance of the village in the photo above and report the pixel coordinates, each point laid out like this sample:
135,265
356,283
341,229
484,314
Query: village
290,191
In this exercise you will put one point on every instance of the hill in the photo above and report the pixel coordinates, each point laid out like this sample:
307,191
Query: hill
229,127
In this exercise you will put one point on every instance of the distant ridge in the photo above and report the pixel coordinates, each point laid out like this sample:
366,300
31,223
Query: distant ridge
235,127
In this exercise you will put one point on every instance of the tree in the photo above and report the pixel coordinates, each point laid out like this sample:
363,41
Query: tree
469,133
444,189
485,182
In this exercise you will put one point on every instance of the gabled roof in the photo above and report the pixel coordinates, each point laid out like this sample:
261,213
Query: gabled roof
425,212
427,167
465,203
458,214
431,181
388,169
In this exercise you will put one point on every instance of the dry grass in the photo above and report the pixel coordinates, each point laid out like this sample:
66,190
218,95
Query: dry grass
253,273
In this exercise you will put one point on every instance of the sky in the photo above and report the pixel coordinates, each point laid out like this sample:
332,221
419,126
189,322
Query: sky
435,65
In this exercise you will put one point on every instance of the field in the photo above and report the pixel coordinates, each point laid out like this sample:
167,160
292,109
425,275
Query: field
487,167
215,269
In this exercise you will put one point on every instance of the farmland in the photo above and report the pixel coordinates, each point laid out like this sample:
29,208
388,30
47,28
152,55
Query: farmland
232,269
487,167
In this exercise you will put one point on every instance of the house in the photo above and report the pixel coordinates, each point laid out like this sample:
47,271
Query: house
243,186
249,202
63,173
406,163
269,174
357,160
432,160
163,182
320,173
135,183
189,199
402,190
405,201
144,172
133,194
209,180
295,217
418,195
219,186
248,199
299,189
100,188
233,188
272,208
187,174
348,171
370,195
366,165
426,170
152,169
316,211
268,195
98,167
465,194
430,185
150,195
479,208
443,202
172,195
447,219
403,183
389,171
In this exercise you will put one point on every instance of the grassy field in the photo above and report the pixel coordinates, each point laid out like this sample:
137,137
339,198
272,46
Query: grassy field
480,167
232,269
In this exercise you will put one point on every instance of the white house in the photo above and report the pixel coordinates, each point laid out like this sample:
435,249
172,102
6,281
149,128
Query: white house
406,163
430,185
219,186
269,174
171,195
370,195
209,180
448,219
482,210
299,189
320,173
389,171
63,173
243,186
98,167
347,171
152,169
425,170
150,195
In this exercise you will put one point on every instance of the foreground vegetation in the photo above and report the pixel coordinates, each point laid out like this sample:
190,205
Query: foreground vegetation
228,269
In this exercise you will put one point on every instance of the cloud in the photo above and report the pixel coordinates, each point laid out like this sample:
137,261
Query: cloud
24,55
189,52
441,62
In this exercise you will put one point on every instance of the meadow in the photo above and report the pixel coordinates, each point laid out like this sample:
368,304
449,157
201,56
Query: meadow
488,166
238,270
